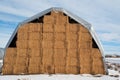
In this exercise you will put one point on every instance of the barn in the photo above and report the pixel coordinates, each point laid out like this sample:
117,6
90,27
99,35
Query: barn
54,41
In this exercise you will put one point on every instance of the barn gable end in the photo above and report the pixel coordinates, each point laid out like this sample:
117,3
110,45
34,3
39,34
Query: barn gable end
54,41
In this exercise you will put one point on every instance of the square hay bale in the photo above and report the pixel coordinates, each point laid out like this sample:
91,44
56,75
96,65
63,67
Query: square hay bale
21,61
34,69
10,52
23,28
71,36
34,44
49,69
60,70
48,27
35,52
60,53
86,60
72,61
60,36
20,69
22,36
85,53
22,52
49,19
47,56
83,29
34,36
48,36
72,27
35,27
23,44
85,69
72,44
59,44
35,60
47,44
96,53
72,53
98,70
59,27
85,37
9,60
72,69
97,61
56,13
85,45
61,61
62,19
7,69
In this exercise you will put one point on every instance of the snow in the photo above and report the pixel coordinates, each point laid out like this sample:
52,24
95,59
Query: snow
113,60
57,77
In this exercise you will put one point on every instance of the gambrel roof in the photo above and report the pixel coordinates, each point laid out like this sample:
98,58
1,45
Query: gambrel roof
71,15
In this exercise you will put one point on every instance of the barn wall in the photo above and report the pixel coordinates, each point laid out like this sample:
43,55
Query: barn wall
53,44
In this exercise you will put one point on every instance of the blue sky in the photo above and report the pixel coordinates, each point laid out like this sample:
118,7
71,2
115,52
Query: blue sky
104,15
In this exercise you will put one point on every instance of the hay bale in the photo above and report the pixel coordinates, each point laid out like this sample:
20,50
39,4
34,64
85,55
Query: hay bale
85,37
34,69
23,28
35,27
35,52
60,53
83,29
23,44
22,35
72,44
71,36
59,36
60,70
59,28
85,45
35,60
85,69
47,56
72,61
34,36
10,52
48,27
61,61
56,13
22,52
48,36
7,69
20,69
9,60
34,44
49,19
49,69
72,69
47,44
73,27
72,53
59,44
21,61
61,19
96,53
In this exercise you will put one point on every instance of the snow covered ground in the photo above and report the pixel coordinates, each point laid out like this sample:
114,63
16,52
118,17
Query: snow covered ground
112,63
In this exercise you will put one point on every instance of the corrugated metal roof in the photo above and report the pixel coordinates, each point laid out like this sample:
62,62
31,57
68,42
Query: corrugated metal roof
75,17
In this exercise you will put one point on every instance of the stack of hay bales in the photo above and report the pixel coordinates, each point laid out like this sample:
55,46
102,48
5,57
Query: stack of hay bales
97,64
21,62
60,42
53,47
72,65
85,48
9,61
34,48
